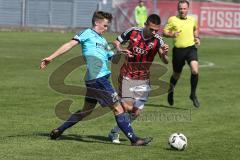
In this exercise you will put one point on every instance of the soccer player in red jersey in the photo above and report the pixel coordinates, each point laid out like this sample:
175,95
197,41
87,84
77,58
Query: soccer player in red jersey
99,89
143,45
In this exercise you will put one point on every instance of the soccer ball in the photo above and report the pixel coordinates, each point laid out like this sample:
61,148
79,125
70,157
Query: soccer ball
177,141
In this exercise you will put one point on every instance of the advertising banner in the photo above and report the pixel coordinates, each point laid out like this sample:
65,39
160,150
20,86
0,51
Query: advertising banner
214,18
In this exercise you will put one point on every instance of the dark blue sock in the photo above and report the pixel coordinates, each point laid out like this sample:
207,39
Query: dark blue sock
73,119
123,121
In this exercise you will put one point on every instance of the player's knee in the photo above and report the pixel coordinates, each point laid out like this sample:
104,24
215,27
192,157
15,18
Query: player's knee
138,106
135,112
127,105
194,67
195,72
117,108
127,108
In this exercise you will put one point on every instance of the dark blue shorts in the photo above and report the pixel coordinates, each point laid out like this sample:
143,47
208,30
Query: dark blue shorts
100,90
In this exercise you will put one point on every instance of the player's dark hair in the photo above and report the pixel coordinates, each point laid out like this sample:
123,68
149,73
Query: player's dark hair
183,1
154,18
100,15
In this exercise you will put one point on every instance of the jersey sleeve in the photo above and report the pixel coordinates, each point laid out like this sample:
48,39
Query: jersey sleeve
110,53
169,26
81,36
160,41
125,36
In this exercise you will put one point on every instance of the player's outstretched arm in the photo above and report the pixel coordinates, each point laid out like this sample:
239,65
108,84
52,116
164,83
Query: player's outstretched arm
119,48
171,34
61,50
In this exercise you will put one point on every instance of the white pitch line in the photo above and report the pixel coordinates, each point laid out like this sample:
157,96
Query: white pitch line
206,64
203,64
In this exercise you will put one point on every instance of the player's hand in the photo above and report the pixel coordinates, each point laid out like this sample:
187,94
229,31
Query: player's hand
176,34
164,49
45,62
163,53
126,52
197,40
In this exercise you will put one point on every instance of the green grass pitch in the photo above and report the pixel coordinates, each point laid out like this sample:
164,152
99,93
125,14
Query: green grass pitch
27,107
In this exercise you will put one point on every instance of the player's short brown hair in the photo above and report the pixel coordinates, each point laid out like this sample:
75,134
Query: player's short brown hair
100,15
183,1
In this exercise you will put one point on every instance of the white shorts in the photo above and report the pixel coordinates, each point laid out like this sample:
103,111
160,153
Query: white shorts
136,90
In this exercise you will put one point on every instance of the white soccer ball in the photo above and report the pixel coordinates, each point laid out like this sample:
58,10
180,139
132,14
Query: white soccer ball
178,141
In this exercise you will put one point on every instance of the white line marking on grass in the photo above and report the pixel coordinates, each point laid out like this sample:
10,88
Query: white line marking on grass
203,64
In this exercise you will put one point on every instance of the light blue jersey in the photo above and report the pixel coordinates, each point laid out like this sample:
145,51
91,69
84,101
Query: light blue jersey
96,51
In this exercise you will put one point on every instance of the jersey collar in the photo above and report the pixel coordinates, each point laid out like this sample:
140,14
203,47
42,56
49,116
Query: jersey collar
182,18
96,32
145,39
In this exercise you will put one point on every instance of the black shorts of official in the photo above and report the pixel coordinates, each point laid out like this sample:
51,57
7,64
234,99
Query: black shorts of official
180,55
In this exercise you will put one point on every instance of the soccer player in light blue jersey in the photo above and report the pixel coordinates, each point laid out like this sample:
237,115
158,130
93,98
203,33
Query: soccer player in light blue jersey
96,53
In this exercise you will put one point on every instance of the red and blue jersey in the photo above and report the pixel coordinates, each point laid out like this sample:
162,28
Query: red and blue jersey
144,51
